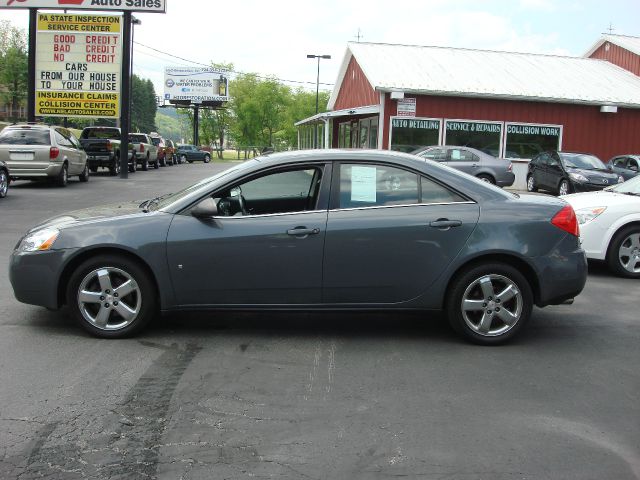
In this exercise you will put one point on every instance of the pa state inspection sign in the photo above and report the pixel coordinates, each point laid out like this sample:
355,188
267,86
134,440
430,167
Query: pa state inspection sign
78,65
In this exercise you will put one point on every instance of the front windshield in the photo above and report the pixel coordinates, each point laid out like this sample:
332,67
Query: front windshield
580,160
174,197
630,186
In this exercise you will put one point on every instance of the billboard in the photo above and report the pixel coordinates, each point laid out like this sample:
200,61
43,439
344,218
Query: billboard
78,65
195,85
121,5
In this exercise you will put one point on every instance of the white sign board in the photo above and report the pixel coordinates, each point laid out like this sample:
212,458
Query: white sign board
196,85
406,107
102,5
78,63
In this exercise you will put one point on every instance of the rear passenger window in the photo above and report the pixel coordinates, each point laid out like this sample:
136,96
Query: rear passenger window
432,192
376,185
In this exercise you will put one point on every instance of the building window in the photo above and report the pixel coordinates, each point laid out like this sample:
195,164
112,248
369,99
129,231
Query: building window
484,136
344,135
528,140
408,135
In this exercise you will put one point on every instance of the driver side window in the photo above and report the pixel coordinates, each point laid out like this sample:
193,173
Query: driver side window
287,191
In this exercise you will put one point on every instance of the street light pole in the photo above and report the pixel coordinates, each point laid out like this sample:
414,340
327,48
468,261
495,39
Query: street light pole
326,57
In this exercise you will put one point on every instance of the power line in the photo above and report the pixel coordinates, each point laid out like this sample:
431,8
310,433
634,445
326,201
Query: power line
235,72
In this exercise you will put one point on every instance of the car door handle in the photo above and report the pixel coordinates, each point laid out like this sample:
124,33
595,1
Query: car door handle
475,165
445,223
303,231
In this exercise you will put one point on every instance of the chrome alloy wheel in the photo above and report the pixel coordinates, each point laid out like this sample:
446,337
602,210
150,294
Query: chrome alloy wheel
629,253
564,188
4,184
530,183
109,298
492,305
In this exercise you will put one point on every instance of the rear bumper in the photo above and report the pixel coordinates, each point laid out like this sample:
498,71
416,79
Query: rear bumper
506,180
104,160
562,274
42,170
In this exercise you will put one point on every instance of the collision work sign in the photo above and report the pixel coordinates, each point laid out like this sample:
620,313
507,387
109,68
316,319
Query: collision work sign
78,65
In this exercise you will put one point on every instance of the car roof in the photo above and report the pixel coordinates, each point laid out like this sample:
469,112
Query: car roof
34,126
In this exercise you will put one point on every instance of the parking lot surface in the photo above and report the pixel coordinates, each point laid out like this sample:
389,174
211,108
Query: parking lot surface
319,396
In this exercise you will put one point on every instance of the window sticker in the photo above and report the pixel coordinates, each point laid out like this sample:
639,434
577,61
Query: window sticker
363,184
455,154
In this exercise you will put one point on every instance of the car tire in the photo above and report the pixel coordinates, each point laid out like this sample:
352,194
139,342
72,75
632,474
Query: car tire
207,158
489,303
84,176
114,169
63,177
487,178
4,183
92,296
531,184
156,164
133,167
564,188
183,159
623,255
145,165
163,163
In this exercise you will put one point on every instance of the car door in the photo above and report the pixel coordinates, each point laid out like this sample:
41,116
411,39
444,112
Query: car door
68,151
264,247
463,160
632,168
82,156
390,234
555,171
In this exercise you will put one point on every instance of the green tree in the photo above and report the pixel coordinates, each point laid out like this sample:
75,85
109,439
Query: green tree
301,106
13,65
143,105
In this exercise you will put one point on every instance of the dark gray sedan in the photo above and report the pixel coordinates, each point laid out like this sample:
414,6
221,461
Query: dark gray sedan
320,230
472,161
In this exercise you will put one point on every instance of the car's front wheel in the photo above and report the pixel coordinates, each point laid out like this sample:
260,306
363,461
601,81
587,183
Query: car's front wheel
183,159
623,257
531,184
207,158
564,187
111,296
489,304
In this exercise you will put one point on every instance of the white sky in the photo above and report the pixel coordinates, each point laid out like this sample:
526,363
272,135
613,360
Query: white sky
273,38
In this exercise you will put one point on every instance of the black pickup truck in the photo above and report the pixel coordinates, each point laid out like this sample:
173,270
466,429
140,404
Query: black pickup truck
102,145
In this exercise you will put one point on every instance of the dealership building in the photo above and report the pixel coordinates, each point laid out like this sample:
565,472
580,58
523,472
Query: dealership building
512,105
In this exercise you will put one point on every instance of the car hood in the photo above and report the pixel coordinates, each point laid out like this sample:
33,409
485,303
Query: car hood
603,198
597,176
93,214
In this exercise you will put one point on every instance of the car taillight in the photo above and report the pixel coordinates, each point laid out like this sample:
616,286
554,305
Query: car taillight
53,153
141,147
510,167
566,220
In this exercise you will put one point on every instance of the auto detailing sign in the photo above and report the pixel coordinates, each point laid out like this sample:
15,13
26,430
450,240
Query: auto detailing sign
78,64
121,5
196,85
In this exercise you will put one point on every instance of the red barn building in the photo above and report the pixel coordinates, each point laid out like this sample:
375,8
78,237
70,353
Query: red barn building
621,50
512,105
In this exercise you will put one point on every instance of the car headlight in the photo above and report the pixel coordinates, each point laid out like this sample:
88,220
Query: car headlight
620,179
586,215
578,177
40,240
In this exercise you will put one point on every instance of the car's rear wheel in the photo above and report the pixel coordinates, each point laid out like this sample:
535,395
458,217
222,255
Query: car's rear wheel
114,169
487,178
93,169
84,176
623,257
145,165
489,304
564,187
4,184
111,296
63,177
156,164
133,167
531,184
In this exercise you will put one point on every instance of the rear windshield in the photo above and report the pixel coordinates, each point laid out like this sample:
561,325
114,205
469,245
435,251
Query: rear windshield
111,134
138,138
16,136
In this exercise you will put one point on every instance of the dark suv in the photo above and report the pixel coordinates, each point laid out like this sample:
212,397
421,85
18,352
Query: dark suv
568,172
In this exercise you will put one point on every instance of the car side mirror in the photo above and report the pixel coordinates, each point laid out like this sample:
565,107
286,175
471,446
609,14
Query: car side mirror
205,209
610,167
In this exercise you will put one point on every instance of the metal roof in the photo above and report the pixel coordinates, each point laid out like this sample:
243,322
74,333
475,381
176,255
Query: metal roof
624,41
491,74
340,113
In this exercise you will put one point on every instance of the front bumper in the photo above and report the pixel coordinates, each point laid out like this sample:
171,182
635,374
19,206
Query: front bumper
589,187
34,276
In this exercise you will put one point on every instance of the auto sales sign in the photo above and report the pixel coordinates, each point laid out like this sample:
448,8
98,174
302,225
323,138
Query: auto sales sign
121,5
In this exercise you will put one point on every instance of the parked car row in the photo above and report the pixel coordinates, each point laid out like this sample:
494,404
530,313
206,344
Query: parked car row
43,152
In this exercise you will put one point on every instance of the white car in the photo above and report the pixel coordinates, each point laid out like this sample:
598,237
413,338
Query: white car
610,225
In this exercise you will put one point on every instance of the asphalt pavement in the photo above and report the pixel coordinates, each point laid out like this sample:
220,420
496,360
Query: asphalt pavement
311,396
